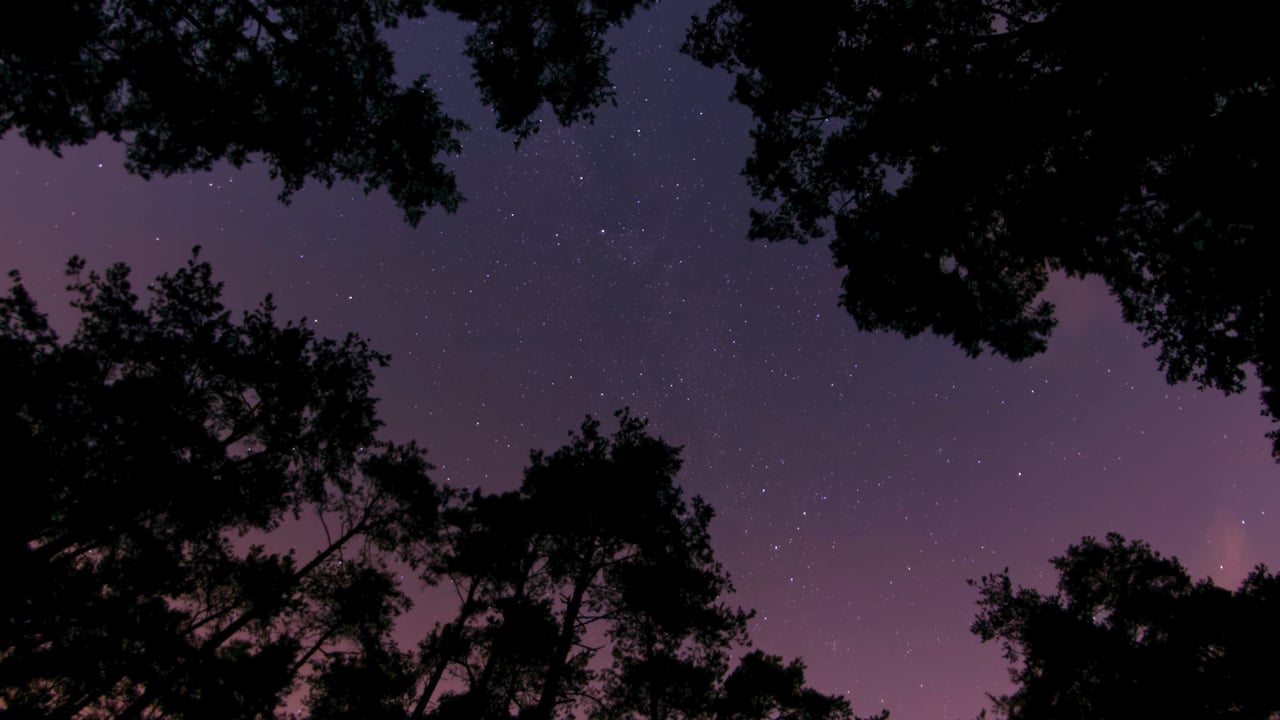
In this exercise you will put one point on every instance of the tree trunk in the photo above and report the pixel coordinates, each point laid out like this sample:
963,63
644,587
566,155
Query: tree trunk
449,638
547,701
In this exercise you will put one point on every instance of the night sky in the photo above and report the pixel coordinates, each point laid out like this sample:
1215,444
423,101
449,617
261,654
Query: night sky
859,478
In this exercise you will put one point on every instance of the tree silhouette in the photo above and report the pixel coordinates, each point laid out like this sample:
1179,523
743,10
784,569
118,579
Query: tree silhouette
153,454
761,687
158,454
309,86
958,152
1128,633
596,548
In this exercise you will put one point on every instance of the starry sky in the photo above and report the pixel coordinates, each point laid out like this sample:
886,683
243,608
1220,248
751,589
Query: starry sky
859,478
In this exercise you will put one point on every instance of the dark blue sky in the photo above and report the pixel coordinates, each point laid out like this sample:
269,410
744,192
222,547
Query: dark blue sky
860,479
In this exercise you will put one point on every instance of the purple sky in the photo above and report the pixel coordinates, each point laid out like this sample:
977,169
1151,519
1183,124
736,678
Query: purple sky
859,479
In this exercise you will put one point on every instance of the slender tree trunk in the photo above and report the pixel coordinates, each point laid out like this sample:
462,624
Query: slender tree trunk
315,647
547,701
263,21
481,686
257,611
449,638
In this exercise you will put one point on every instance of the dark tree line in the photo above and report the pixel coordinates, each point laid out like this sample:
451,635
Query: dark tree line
157,456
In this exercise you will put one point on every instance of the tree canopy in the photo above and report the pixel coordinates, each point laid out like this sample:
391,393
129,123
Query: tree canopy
164,459
311,87
957,153
1129,634
153,457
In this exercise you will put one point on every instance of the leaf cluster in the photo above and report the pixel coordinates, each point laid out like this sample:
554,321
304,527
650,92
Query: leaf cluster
957,152
1128,632
311,88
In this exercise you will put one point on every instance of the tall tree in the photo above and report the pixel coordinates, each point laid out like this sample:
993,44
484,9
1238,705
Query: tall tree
152,456
958,152
1129,634
597,547
311,87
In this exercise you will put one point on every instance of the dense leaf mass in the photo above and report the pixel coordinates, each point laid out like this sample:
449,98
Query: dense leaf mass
152,457
309,86
1129,634
959,151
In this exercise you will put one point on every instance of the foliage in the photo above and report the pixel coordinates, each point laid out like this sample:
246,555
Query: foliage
957,152
164,459
312,87
152,456
763,687
1128,633
598,548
